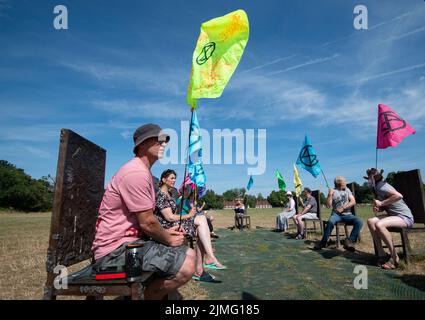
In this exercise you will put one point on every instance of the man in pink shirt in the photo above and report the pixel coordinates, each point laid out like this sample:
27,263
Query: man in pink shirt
126,216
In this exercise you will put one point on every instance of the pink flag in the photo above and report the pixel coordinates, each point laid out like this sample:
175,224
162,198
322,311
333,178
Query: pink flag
391,128
189,183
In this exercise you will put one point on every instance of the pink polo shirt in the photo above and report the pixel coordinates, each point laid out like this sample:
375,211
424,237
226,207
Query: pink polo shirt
131,190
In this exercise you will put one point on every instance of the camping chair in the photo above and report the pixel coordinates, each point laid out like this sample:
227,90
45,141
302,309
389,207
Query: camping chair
316,195
342,223
410,185
79,190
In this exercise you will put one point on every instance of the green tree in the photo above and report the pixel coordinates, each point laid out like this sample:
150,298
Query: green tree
260,197
20,192
323,198
212,200
277,198
250,201
363,193
231,194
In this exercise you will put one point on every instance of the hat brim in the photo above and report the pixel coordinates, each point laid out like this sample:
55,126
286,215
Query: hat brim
163,138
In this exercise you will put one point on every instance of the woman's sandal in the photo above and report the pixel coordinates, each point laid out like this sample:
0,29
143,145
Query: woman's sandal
215,266
390,264
383,259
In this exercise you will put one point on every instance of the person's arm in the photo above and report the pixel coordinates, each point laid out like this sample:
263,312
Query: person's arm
351,203
394,196
152,228
168,215
306,209
329,198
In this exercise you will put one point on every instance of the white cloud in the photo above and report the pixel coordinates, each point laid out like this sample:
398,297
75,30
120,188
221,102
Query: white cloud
137,109
38,152
170,81
305,64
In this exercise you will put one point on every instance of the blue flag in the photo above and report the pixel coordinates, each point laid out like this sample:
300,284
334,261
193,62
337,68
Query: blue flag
307,158
202,191
250,183
195,139
196,171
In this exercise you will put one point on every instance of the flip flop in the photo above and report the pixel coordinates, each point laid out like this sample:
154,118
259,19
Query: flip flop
206,277
214,266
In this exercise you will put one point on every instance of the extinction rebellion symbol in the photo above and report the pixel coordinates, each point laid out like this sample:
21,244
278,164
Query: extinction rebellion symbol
390,116
206,53
311,158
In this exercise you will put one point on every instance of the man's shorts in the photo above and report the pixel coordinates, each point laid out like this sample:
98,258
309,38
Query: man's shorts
310,216
164,261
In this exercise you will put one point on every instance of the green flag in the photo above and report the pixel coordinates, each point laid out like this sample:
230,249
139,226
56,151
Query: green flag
280,181
218,51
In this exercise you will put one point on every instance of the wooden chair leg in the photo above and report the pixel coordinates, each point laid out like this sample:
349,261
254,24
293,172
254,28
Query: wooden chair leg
346,231
375,249
137,291
406,245
337,235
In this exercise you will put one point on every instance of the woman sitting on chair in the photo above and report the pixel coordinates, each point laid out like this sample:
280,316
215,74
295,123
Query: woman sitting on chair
239,208
398,215
289,211
166,211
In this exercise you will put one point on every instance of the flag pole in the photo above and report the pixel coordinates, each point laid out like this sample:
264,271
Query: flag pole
185,167
376,158
327,184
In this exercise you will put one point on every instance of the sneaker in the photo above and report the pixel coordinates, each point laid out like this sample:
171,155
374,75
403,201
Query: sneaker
205,277
319,246
349,245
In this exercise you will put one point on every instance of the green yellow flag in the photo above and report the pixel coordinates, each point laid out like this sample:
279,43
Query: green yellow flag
280,181
218,51
297,182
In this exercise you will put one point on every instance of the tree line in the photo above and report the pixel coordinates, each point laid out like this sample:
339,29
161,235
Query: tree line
19,191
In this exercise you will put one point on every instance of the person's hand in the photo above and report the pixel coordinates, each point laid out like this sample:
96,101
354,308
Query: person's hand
176,236
377,205
192,212
340,209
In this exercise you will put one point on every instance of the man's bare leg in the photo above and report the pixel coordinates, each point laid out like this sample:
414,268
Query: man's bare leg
159,288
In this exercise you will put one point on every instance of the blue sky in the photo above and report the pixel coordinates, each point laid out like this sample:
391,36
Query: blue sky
124,63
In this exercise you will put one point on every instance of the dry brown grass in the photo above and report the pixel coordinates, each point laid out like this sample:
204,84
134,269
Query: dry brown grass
23,248
24,241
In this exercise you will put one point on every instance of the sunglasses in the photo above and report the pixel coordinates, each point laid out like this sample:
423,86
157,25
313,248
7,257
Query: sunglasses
159,142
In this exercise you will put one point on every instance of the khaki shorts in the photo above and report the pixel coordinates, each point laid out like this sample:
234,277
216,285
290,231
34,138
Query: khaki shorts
164,261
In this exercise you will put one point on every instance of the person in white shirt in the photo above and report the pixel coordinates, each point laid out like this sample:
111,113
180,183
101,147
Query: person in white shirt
287,213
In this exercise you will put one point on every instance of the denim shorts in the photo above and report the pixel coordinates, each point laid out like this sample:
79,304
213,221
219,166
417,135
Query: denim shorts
164,261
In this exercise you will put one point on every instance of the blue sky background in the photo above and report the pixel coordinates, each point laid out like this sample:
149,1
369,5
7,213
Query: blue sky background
124,63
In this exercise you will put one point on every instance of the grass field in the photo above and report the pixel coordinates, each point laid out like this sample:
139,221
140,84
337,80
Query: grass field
24,240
